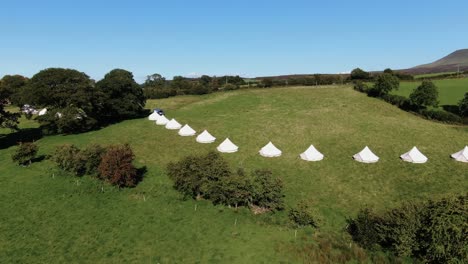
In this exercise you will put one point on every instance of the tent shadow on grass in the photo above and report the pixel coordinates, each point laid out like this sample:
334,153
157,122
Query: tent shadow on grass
23,135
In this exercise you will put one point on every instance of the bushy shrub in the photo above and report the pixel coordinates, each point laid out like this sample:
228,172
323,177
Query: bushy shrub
210,177
229,87
92,157
386,83
443,234
363,228
304,215
116,166
68,158
79,162
360,86
463,106
234,190
441,115
397,100
193,176
398,228
434,232
267,190
25,153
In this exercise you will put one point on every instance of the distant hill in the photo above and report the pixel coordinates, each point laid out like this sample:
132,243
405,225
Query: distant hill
449,63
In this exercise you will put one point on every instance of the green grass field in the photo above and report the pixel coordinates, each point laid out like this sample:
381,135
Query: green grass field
451,91
48,217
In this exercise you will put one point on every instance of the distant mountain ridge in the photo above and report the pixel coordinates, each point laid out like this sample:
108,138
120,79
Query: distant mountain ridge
453,62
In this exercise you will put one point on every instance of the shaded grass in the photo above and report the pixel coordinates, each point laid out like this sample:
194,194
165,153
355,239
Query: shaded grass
51,217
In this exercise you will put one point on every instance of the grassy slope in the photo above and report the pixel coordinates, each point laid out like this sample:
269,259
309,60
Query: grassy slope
451,91
64,219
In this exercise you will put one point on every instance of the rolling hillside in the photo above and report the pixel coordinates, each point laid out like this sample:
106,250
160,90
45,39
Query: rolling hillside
48,216
453,62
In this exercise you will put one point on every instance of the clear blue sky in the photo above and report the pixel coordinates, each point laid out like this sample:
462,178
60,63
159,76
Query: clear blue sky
251,38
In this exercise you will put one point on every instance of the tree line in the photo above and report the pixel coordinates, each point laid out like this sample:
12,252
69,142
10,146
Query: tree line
74,102
156,86
423,100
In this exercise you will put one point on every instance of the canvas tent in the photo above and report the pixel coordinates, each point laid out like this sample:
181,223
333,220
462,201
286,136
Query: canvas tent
461,155
227,146
173,125
414,156
162,120
42,112
187,131
270,151
366,156
311,154
205,137
154,116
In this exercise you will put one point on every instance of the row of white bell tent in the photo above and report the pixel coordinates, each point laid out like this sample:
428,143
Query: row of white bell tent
311,154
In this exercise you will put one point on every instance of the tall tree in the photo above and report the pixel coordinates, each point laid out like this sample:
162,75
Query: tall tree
7,119
359,74
425,95
73,101
385,83
11,87
154,80
123,97
463,106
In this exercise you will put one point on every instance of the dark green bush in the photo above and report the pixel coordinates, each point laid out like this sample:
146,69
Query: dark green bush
92,157
68,158
360,86
194,176
397,100
463,106
304,215
443,236
363,228
434,232
210,177
267,191
25,153
79,162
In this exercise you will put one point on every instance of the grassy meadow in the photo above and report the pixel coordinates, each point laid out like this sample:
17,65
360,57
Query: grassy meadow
451,91
47,216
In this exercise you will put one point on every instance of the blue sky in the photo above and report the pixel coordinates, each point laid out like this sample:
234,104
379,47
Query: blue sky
250,38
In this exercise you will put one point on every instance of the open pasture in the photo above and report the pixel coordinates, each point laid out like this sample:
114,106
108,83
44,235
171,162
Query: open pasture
50,217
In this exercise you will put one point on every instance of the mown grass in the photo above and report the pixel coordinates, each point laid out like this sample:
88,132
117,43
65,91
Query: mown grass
50,217
451,91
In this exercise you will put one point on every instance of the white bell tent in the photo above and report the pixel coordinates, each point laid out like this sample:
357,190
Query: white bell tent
173,125
227,146
461,155
270,151
187,131
311,154
366,156
414,156
205,137
154,116
162,121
